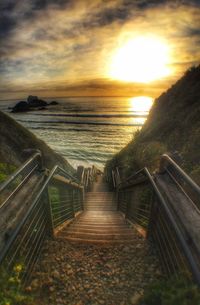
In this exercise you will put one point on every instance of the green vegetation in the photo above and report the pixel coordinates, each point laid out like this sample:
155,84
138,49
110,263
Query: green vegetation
174,291
6,170
173,125
11,292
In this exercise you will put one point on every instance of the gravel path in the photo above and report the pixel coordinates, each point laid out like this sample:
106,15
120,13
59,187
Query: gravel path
72,274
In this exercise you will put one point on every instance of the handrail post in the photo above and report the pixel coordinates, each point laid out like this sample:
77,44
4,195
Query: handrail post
128,202
49,212
162,166
72,200
117,198
40,161
82,191
152,214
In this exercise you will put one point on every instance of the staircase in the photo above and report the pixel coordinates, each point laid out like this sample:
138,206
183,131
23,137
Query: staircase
100,218
100,222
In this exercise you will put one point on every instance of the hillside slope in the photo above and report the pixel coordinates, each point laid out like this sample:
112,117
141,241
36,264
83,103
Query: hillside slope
173,125
14,138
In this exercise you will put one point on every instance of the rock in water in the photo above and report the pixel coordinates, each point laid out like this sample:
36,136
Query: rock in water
34,101
53,103
31,98
21,107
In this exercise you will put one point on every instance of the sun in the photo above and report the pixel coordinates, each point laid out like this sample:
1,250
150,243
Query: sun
142,59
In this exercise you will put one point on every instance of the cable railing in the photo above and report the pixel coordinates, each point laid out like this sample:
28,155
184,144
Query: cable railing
66,198
185,183
58,200
142,203
13,184
87,176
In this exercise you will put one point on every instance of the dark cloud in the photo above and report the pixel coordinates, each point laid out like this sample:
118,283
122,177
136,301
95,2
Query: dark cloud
42,4
110,15
190,31
14,12
7,24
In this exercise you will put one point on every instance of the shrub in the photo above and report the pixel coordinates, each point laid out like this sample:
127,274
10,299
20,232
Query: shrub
11,292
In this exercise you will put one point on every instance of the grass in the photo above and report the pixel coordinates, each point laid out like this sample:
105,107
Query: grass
173,291
6,170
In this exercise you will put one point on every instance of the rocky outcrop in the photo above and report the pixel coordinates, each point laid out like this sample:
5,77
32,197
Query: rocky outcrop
53,103
21,106
32,103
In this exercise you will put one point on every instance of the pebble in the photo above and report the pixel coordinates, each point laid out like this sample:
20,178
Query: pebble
35,284
55,274
91,274
135,298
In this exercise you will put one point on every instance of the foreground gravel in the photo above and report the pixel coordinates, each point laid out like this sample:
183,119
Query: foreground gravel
72,274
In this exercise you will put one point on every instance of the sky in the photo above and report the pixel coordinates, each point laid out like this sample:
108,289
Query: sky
90,47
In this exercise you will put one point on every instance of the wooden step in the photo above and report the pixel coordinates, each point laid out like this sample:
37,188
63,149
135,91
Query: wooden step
100,222
99,227
99,236
98,230
99,241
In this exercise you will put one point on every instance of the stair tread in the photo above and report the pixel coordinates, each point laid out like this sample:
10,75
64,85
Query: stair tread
98,241
100,222
100,236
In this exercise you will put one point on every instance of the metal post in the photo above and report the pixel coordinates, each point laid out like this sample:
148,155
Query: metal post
72,201
152,217
49,212
82,193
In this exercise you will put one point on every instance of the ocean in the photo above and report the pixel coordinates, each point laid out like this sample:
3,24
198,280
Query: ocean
85,130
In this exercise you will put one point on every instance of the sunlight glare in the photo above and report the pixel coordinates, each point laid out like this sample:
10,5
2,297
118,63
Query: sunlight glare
139,121
140,104
142,59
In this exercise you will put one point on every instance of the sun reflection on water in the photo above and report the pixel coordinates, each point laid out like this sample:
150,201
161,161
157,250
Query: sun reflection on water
139,121
140,104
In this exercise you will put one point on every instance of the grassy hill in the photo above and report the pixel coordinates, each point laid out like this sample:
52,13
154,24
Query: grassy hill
173,125
14,138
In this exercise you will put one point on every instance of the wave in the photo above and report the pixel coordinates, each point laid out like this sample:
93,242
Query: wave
95,115
81,123
61,129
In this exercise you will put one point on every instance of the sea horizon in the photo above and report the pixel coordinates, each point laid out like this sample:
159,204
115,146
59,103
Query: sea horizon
84,130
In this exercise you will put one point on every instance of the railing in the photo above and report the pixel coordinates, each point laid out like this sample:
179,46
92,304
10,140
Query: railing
58,201
65,197
12,185
142,203
185,183
87,176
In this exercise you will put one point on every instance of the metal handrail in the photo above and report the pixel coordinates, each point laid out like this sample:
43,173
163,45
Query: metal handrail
183,243
165,157
2,205
23,221
69,182
186,249
123,184
19,170
68,175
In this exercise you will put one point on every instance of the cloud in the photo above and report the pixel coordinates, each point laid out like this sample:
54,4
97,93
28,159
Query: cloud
74,41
